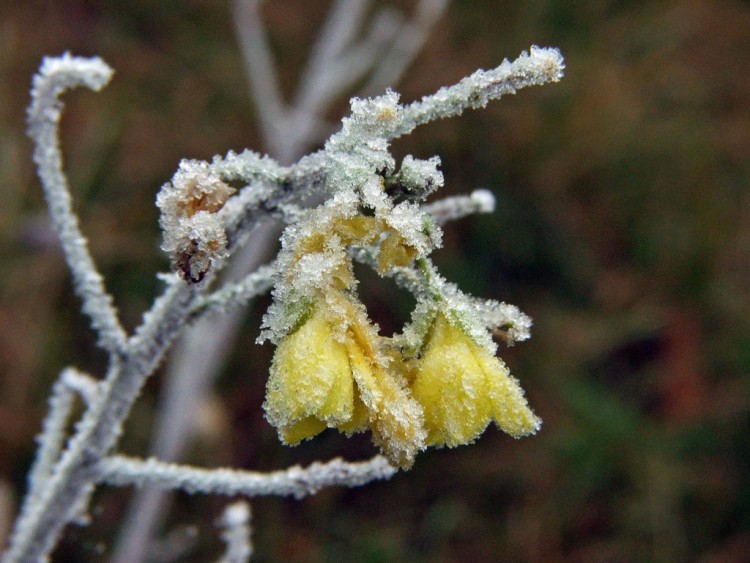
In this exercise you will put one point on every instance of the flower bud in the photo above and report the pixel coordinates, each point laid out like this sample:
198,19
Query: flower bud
310,385
462,387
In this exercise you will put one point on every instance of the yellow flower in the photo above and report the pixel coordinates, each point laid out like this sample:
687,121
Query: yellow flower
462,387
317,381
310,385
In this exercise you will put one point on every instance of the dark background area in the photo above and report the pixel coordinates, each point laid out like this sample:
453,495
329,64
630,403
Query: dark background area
622,228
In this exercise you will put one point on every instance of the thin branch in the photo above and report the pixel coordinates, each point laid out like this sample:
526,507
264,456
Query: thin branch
55,76
237,532
55,427
234,295
539,66
457,207
69,487
256,54
297,482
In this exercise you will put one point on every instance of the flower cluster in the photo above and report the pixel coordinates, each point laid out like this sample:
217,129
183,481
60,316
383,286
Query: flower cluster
438,382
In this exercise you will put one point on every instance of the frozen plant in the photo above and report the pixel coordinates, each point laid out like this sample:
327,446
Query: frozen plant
436,383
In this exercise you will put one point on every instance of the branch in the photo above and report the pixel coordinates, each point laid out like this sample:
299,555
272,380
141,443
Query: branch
55,76
457,207
235,295
237,532
540,66
297,482
71,483
54,429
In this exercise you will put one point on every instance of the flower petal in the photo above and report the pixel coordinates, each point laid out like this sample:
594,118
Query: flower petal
452,387
395,417
510,411
310,377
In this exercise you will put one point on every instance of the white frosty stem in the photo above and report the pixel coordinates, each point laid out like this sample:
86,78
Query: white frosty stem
539,66
55,76
457,207
235,295
55,427
297,482
237,532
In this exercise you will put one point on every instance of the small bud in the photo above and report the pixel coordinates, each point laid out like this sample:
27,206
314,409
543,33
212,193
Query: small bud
193,233
419,178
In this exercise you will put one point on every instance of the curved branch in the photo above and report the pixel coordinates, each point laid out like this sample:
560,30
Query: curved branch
55,76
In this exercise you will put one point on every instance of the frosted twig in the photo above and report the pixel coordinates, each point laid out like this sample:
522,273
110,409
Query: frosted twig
237,532
297,482
55,76
456,207
234,295
71,482
539,66
54,429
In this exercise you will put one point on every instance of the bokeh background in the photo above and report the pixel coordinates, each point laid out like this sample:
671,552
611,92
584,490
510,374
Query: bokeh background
622,228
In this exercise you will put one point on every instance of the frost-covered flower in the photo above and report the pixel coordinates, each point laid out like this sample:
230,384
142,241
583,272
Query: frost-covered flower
328,373
438,382
462,387
310,386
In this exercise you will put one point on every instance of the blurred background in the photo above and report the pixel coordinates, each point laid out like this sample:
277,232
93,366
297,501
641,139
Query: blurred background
622,227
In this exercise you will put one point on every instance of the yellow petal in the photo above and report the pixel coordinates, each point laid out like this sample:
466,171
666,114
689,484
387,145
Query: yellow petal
302,430
310,378
452,387
394,252
359,421
395,417
510,411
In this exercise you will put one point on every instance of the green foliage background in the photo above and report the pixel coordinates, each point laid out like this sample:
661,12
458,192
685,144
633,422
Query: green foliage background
623,229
